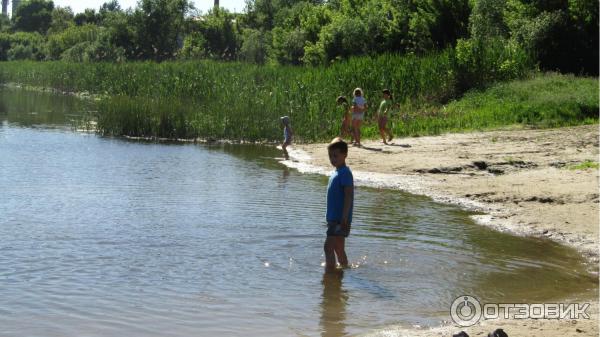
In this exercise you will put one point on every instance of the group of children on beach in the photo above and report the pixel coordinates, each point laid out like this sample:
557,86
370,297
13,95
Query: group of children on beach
340,189
354,114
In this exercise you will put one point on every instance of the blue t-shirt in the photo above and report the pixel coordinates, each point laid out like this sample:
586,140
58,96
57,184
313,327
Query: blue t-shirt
340,178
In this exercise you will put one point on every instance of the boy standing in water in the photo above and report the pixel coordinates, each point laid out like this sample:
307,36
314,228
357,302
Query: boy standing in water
287,135
340,199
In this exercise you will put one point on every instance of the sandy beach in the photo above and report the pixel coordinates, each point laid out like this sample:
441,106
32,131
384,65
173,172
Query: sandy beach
524,181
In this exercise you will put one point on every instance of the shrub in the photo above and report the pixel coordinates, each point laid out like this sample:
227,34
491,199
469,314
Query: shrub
482,62
21,46
253,48
60,42
193,48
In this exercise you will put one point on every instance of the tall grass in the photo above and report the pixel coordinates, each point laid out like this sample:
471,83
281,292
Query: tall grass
543,100
540,101
242,101
234,100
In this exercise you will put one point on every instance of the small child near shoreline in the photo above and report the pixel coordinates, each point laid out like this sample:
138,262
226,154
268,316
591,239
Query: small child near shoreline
359,106
383,112
340,200
347,119
287,135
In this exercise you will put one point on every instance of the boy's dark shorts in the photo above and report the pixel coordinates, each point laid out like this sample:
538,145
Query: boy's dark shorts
335,229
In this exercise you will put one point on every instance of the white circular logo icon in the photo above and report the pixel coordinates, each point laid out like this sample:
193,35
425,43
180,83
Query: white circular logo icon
465,310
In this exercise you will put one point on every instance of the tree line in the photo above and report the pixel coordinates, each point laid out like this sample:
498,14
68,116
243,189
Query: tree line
557,34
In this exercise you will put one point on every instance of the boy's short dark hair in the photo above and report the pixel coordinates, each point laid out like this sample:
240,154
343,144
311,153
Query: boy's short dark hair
339,144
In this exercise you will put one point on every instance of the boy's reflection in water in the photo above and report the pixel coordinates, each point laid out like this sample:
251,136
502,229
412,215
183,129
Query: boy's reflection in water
333,305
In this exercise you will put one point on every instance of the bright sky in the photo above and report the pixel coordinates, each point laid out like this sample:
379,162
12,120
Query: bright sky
203,5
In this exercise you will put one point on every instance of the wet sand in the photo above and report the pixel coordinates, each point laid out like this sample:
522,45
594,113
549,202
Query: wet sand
522,181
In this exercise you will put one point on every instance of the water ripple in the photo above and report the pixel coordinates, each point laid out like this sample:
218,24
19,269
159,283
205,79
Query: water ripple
103,237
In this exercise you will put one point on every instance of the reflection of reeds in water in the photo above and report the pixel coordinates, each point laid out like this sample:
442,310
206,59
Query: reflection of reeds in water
333,305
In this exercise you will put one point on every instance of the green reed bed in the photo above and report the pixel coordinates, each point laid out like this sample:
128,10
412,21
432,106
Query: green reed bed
233,100
243,102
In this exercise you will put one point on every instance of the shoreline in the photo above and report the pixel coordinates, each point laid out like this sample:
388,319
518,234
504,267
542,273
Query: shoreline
508,190
525,182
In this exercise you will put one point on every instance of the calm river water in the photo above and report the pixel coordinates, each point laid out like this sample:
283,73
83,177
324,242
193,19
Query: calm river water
109,237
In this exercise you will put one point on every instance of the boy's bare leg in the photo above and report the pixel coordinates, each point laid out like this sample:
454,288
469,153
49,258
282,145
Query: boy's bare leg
329,249
340,251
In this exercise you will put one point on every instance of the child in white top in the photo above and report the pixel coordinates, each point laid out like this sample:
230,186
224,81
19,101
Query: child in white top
359,106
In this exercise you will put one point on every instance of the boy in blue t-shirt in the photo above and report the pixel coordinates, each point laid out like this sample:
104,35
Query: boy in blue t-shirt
340,199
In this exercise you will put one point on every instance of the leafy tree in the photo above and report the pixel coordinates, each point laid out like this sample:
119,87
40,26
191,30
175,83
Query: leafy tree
60,42
107,10
220,31
480,62
253,47
5,24
62,18
5,41
194,47
419,38
343,37
382,26
21,46
77,53
34,16
261,13
560,35
120,34
104,50
111,6
487,19
157,25
89,16
312,20
451,21
287,46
